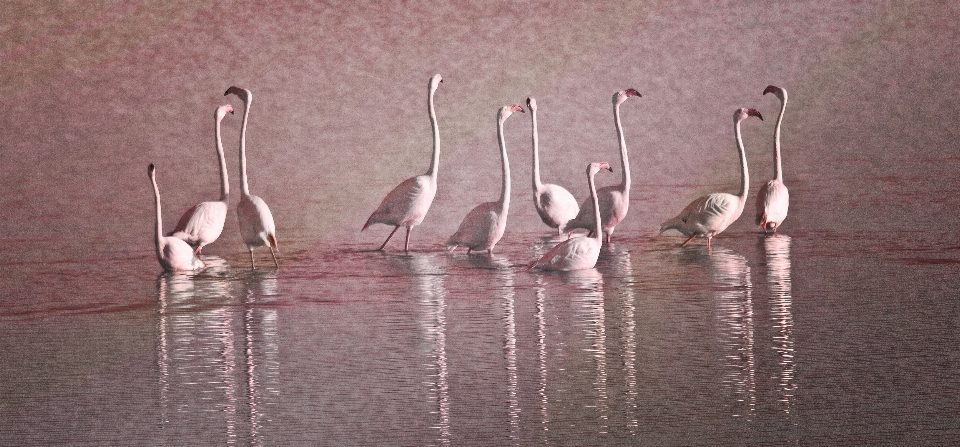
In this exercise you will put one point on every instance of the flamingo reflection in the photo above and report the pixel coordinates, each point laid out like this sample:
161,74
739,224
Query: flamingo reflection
734,297
589,297
625,310
777,250
432,295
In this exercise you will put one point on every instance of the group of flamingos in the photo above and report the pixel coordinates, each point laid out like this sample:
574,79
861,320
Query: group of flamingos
407,204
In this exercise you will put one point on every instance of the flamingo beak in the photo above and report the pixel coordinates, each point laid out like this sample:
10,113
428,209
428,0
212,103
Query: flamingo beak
770,89
755,112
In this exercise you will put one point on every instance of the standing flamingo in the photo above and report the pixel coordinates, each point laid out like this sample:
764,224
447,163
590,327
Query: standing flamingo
614,200
580,252
711,214
202,224
555,205
407,204
773,198
253,215
173,253
483,226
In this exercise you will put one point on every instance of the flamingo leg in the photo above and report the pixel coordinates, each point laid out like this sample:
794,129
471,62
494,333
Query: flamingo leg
274,257
406,244
388,238
252,265
775,226
684,244
197,251
608,238
708,242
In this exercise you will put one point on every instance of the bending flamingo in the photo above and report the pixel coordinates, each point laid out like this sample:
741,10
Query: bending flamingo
408,203
614,200
173,253
579,252
483,226
202,224
773,198
253,214
555,205
711,214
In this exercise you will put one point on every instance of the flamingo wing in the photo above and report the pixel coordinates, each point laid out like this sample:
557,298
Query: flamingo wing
477,228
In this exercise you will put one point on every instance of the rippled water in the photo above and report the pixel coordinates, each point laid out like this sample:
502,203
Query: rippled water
796,338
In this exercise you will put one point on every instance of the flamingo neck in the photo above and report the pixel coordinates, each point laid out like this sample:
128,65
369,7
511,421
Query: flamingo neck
537,183
624,160
435,162
744,175
777,166
597,232
156,196
224,181
244,187
505,190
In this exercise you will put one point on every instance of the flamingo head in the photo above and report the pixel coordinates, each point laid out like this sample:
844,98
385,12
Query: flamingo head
743,113
506,111
150,170
241,93
532,104
622,95
593,168
780,93
435,82
223,111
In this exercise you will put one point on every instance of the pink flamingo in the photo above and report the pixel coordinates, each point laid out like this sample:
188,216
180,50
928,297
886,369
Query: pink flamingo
580,252
483,226
773,198
555,205
173,253
408,203
614,200
256,221
202,224
709,215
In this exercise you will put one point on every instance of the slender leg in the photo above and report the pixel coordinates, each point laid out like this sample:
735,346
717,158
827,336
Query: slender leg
608,238
708,242
406,244
197,251
775,226
691,238
388,237
274,257
252,265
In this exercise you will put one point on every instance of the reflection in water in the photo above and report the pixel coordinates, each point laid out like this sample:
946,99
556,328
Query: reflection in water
626,305
205,368
734,296
432,295
777,249
590,300
505,281
541,294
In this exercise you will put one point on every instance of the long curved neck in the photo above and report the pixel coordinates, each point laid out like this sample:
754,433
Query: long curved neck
435,163
224,181
156,196
624,161
505,190
244,188
537,184
777,166
597,232
744,175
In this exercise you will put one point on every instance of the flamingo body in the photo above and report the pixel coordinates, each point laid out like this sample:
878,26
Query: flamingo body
484,225
555,205
709,215
173,253
773,200
256,221
614,201
407,204
202,224
579,252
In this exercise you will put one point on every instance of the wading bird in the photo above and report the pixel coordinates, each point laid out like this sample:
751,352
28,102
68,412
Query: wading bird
773,198
173,253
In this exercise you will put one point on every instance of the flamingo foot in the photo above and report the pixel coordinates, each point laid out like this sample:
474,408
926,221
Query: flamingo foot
684,244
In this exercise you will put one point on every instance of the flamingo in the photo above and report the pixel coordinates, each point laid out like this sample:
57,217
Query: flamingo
173,253
483,226
407,204
614,200
773,198
709,215
253,214
202,224
580,252
555,205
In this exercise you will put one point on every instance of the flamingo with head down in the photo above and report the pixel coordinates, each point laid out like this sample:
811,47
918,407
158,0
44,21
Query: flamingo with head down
173,253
